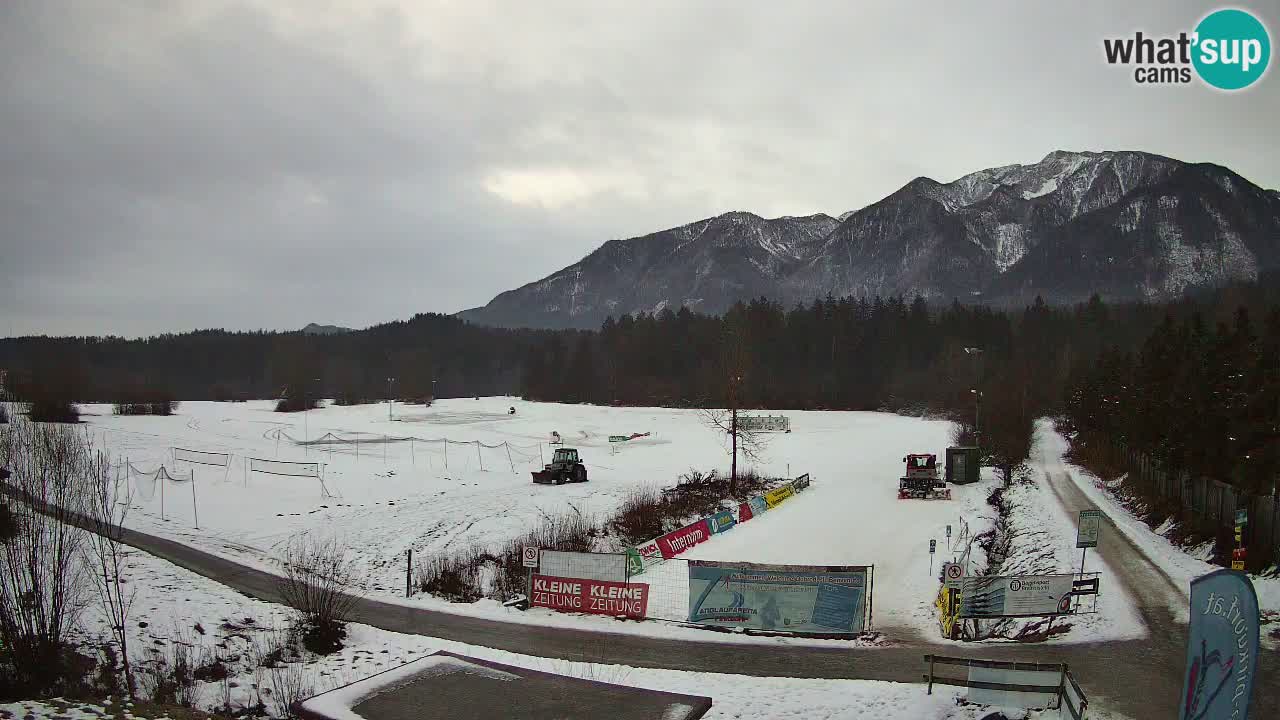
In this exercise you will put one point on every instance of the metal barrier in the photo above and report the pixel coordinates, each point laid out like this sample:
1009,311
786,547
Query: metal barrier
1027,685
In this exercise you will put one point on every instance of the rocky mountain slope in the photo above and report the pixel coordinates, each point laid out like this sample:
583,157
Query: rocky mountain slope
1124,224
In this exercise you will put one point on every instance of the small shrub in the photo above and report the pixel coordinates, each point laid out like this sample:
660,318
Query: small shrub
294,404
455,577
319,576
53,411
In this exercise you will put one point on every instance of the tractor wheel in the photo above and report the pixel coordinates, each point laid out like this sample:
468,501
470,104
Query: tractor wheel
581,473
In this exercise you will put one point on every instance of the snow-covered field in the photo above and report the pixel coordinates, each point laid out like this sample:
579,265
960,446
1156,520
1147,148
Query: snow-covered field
175,605
431,497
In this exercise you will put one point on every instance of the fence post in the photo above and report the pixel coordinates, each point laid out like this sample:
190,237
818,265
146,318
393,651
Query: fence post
195,511
478,456
871,598
408,573
930,692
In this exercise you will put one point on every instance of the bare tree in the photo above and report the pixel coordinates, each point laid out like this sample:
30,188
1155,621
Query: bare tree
745,440
318,581
42,588
107,503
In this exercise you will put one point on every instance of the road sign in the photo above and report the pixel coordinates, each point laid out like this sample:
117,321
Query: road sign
1089,528
1242,516
951,574
531,557
948,532
1237,565
933,546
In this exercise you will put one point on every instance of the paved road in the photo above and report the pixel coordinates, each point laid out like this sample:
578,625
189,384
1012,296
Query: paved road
1138,678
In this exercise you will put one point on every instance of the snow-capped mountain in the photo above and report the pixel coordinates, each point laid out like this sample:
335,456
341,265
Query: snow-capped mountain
1126,225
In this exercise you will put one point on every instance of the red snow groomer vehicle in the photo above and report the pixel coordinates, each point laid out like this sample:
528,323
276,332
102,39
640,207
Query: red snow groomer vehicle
922,479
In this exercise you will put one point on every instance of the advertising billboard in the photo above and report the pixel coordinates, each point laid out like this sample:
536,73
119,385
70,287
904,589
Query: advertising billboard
598,597
804,599
1015,595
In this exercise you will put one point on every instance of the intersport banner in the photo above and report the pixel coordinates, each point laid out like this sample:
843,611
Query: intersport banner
677,541
1222,648
599,597
803,599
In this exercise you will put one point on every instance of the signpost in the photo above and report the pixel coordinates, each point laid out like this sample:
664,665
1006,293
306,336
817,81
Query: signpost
952,573
1238,553
948,536
530,557
933,547
1087,531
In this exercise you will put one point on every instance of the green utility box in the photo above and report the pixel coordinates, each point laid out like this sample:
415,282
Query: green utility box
963,466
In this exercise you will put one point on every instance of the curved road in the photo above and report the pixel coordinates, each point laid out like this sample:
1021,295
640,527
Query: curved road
1138,678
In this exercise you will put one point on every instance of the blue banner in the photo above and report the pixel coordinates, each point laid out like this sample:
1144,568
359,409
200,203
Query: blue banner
721,521
781,598
1222,648
758,505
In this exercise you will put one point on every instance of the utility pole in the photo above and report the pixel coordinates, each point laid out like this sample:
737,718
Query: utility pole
977,417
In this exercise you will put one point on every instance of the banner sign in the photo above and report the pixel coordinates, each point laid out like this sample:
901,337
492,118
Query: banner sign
758,505
801,482
1015,595
721,521
642,556
1089,528
202,457
784,598
583,566
677,541
598,597
766,423
775,497
948,610
280,467
1222,648
744,512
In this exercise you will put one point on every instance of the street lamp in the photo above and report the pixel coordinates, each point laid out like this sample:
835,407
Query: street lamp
389,381
977,414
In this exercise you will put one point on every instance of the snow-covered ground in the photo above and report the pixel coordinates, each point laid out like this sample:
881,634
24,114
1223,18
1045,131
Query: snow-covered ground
1044,537
176,606
424,494
1181,566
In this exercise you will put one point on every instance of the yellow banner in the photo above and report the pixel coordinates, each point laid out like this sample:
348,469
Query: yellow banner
948,610
774,498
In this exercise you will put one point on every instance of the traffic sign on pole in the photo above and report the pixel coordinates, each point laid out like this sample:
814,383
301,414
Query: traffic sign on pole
951,574
530,557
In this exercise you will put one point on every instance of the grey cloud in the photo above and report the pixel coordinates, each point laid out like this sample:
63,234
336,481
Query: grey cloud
266,164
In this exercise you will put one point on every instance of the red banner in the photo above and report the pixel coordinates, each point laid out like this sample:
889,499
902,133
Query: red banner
677,541
744,512
599,597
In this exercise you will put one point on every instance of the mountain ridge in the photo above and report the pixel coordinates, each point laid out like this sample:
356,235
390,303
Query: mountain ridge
1124,224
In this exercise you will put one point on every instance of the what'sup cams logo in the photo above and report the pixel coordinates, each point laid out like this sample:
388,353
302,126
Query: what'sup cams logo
1229,50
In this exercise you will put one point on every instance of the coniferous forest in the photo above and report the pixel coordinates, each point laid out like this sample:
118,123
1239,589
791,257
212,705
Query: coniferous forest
1194,383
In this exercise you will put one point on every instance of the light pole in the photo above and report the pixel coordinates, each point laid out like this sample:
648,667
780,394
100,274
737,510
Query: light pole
389,381
977,415
433,390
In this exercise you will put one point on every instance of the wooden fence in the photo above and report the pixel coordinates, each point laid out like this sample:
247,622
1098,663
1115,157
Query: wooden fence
1210,502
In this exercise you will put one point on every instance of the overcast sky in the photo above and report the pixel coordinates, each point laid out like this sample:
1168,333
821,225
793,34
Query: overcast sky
166,165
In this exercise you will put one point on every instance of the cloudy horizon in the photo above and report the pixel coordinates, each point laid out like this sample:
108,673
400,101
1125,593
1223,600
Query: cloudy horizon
262,165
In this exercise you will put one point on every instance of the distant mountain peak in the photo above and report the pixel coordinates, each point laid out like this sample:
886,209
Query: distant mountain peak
314,329
1124,224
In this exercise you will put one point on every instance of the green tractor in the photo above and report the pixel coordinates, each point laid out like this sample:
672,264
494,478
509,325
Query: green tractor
565,466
